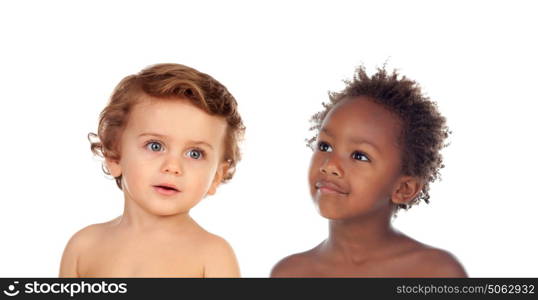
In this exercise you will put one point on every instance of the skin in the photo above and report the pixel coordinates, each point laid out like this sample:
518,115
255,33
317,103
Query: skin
155,236
356,183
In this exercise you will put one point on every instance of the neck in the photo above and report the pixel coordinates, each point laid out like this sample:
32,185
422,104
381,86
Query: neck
139,219
361,237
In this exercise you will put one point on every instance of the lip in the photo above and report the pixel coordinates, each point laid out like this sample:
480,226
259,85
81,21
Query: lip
329,187
166,189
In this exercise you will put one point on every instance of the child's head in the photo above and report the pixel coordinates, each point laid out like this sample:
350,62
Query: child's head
169,128
378,145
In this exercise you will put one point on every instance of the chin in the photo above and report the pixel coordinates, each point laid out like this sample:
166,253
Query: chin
331,217
336,217
329,213
340,213
166,210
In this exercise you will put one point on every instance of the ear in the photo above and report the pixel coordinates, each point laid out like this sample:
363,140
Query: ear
219,175
406,189
113,167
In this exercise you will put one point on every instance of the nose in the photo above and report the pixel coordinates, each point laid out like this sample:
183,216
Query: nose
172,166
331,167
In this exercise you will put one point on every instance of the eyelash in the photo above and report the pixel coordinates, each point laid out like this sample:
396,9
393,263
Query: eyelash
202,153
361,154
353,155
149,143
152,142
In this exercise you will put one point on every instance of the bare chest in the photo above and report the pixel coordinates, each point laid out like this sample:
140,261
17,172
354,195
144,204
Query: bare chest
389,267
140,258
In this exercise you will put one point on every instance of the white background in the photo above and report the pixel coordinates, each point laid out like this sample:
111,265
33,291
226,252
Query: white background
60,60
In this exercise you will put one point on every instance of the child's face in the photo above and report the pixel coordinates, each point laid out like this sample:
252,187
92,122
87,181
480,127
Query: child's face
356,160
170,144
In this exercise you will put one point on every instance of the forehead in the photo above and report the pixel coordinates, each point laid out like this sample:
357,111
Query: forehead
360,118
175,118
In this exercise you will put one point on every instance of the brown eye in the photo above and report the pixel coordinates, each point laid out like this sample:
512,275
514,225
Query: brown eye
359,156
324,147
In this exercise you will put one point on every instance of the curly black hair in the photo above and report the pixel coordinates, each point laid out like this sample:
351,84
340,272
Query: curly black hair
424,129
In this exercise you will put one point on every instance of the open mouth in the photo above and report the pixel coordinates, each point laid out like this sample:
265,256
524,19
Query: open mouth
167,188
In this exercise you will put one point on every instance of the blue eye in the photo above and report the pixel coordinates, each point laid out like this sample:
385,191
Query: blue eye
324,147
195,154
154,146
359,156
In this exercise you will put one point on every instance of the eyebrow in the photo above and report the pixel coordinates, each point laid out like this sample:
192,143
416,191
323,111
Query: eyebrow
352,140
164,137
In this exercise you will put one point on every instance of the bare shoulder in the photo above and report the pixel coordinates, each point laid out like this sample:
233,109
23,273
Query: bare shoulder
434,262
214,243
75,246
295,265
218,256
90,234
79,243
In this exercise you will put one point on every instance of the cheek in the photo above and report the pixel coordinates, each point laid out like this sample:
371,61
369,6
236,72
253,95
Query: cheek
135,173
137,165
200,174
371,187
